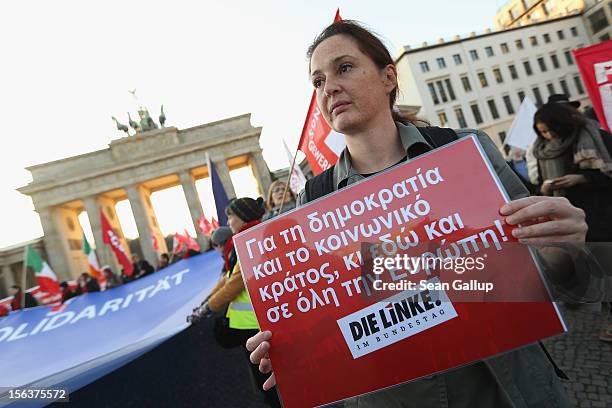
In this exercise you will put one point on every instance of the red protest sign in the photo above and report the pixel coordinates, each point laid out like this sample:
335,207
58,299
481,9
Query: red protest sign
595,65
328,315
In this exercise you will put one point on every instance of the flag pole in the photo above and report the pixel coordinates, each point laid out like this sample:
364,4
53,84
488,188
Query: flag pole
288,180
23,276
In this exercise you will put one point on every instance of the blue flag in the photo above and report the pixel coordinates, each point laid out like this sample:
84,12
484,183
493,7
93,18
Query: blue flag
219,194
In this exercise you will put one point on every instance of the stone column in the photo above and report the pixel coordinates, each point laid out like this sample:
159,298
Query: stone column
105,255
55,244
262,172
194,204
224,176
139,201
8,279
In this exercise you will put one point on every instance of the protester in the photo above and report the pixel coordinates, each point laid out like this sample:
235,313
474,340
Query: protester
67,293
222,242
15,292
164,260
87,284
574,162
518,163
356,86
141,267
242,214
275,200
112,280
4,311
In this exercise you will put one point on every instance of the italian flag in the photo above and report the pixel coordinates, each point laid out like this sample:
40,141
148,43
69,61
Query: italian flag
92,261
45,277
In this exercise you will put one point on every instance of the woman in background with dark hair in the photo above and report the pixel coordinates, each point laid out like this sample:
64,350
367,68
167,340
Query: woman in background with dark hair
574,162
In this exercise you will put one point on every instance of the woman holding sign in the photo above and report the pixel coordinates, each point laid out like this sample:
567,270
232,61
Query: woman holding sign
356,88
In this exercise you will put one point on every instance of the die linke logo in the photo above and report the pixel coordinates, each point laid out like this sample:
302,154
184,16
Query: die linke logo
394,319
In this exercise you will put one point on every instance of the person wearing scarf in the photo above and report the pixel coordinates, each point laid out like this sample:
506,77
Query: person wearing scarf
574,162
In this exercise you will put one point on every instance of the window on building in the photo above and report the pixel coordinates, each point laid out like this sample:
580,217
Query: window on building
574,31
533,40
424,66
551,88
502,136
457,59
441,62
537,95
578,84
513,73
555,60
542,64
519,44
560,35
564,87
504,48
460,118
442,118
483,79
432,92
521,95
465,81
508,103
441,91
476,113
450,90
493,109
546,8
568,57
474,55
598,20
489,51
527,67
546,38
498,75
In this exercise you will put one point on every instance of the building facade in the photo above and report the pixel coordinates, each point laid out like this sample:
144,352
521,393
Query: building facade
517,13
480,81
598,18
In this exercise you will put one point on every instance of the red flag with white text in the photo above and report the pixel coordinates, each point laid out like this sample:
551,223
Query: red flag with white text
319,142
110,238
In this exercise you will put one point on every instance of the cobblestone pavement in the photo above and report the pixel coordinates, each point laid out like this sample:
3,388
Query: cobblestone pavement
584,358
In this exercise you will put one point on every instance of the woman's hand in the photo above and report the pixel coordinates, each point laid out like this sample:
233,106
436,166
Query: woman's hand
567,181
259,347
546,188
545,220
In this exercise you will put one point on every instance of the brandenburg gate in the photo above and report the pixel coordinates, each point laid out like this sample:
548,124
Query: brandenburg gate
132,168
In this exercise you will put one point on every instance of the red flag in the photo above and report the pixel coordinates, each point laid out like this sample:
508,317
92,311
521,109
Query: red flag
190,242
177,243
155,243
214,223
110,238
204,225
321,145
595,65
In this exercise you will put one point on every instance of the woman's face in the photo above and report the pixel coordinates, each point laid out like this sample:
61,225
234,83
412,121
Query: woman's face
277,194
545,132
352,92
234,222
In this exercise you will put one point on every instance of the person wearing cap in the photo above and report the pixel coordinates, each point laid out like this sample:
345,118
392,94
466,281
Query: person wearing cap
222,242
230,292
